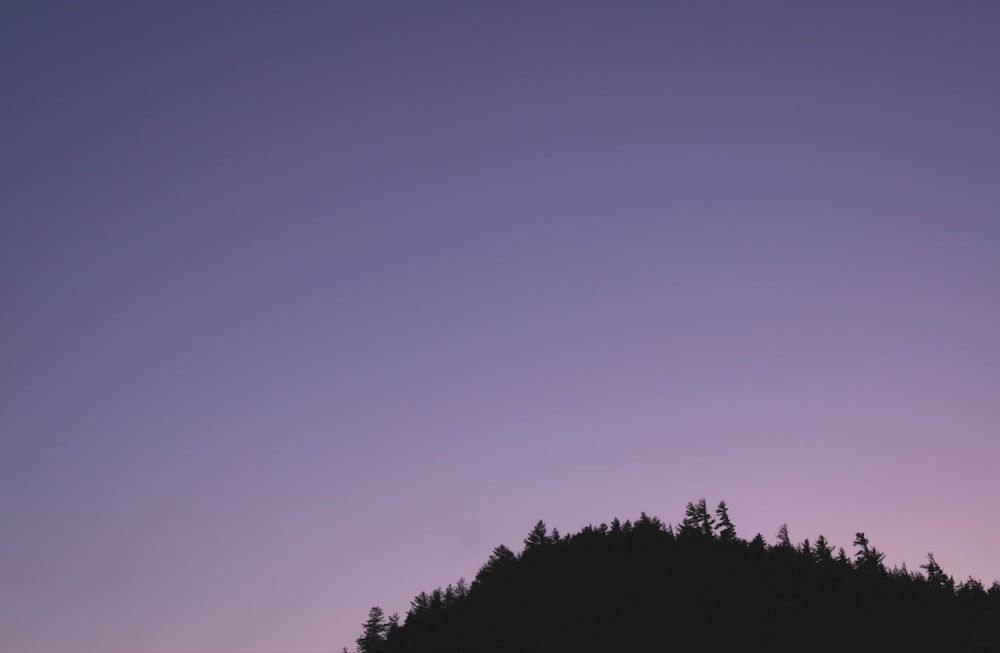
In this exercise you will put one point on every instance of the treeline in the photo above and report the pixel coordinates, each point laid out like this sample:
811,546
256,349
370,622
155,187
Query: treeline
646,586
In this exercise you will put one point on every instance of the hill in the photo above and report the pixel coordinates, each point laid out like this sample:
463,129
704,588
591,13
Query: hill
646,586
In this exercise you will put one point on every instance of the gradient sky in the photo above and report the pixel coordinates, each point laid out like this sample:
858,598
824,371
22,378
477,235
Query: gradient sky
306,306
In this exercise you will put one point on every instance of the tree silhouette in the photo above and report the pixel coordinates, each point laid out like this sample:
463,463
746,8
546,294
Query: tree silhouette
373,632
727,532
823,552
867,557
697,521
936,576
783,540
635,586
537,537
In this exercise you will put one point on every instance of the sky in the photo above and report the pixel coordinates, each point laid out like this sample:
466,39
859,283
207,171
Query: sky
307,306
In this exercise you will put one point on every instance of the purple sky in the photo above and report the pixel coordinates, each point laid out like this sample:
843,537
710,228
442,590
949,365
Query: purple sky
307,306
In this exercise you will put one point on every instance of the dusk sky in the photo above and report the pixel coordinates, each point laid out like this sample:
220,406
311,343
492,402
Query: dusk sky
307,306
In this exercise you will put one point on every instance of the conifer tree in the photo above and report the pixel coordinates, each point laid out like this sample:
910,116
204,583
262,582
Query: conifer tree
867,557
936,576
498,563
727,532
697,521
420,604
783,540
537,537
373,633
437,600
823,550
392,628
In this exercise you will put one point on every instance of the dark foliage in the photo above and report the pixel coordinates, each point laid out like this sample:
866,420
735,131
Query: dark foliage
642,586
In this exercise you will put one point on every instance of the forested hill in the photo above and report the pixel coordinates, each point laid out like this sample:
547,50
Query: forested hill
645,586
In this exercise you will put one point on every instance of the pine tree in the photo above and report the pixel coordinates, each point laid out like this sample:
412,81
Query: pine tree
806,550
392,628
437,600
537,537
727,532
498,563
867,557
783,540
707,523
373,633
697,521
823,550
936,576
420,604
647,524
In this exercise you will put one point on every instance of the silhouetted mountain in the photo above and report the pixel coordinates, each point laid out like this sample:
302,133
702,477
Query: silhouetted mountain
645,586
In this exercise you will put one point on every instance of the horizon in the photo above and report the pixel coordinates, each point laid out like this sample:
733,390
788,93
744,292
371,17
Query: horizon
309,306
